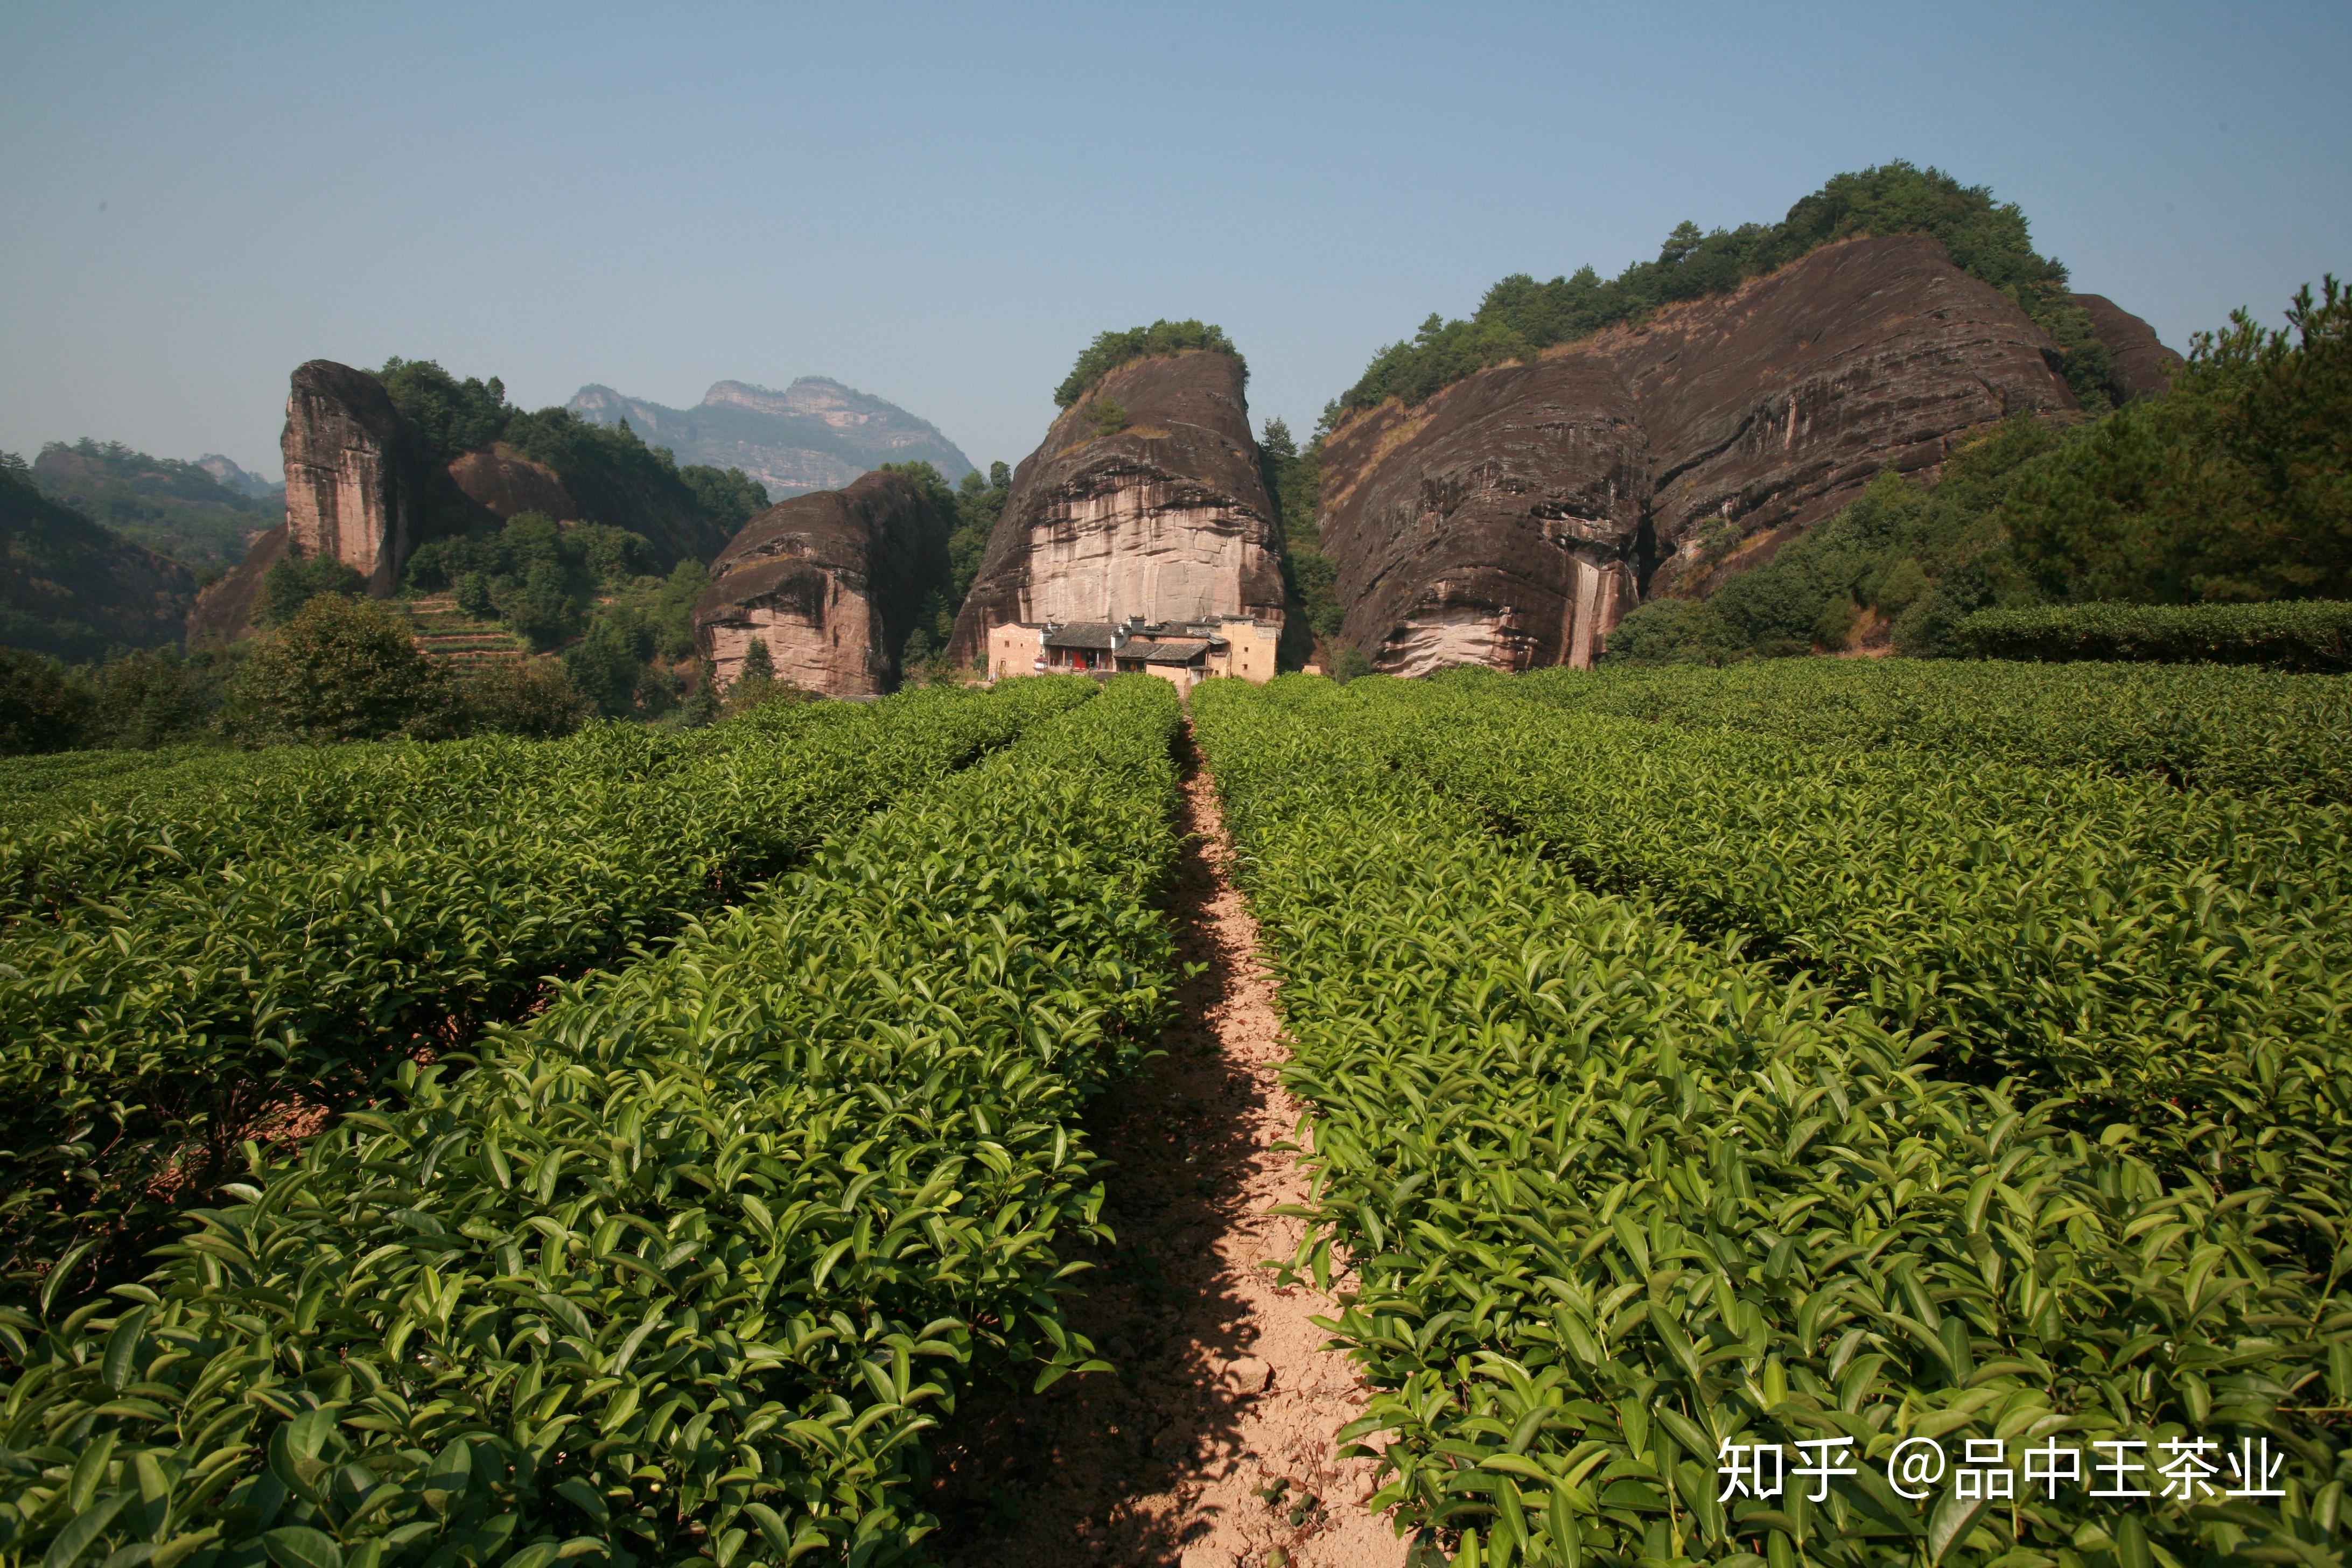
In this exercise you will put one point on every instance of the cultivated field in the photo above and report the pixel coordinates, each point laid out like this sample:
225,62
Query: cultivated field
632,1148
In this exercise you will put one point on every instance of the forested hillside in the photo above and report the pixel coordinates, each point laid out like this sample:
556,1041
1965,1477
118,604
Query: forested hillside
73,589
175,509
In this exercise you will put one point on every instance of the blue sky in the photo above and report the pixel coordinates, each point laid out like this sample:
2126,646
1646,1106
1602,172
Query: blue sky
942,205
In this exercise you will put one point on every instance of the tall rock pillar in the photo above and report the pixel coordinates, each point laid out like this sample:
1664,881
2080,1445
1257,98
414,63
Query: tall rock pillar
352,478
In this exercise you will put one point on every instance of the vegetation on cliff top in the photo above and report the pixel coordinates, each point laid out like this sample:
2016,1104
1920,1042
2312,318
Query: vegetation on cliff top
1987,240
1112,350
2235,486
453,417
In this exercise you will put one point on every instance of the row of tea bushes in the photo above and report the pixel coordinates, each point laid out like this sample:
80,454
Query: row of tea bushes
680,1271
73,851
2206,726
147,1038
2309,633
2182,960
1615,1197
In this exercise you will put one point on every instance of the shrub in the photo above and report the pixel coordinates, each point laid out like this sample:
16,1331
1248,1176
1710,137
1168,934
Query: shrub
535,699
1108,417
41,708
341,669
2309,635
294,581
1112,350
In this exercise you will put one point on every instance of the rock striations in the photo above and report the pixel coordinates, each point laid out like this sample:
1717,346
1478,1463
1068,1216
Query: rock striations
1513,518
2143,367
831,581
354,475
1161,515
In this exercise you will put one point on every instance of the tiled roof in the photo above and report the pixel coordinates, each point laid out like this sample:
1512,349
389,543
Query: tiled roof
1167,650
1081,634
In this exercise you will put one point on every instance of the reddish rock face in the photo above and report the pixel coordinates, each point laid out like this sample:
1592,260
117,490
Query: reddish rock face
224,609
2143,367
1166,519
353,473
831,581
503,482
1515,516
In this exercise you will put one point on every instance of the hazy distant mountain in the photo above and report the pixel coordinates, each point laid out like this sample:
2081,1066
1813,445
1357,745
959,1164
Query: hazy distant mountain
244,481
815,435
192,512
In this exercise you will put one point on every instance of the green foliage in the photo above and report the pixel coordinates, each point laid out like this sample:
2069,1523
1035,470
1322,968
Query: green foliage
978,506
1293,482
172,507
452,417
2198,726
755,685
149,697
1107,416
341,670
606,664
42,708
74,590
750,1232
300,931
1520,316
2237,485
140,700
534,698
701,706
544,606
2308,635
1616,1193
294,581
1917,557
1112,350
542,579
726,496
668,605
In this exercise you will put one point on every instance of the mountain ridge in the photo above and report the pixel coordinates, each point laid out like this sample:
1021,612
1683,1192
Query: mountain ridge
815,434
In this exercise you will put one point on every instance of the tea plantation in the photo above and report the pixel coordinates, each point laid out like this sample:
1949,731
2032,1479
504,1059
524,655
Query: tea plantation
626,1149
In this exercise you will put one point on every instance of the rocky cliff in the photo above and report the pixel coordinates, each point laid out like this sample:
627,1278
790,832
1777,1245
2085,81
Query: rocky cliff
354,473
816,433
503,482
2143,365
363,487
831,581
1512,518
355,491
1164,517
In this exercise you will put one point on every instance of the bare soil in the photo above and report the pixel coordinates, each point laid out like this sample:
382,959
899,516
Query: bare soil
1214,1444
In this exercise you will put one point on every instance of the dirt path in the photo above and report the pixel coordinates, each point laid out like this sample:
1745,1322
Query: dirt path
1212,1448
